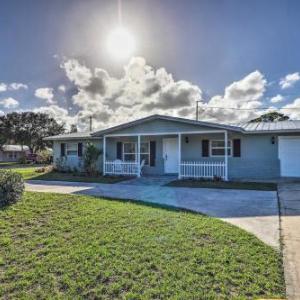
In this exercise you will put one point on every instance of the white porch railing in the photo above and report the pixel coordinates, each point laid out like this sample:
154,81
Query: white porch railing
202,169
121,168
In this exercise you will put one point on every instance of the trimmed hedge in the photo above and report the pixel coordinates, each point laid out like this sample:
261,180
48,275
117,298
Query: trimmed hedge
11,187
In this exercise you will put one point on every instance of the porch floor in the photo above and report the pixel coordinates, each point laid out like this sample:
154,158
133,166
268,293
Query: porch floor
148,180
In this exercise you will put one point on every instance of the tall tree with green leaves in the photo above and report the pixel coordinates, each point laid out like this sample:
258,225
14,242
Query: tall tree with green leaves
271,117
29,128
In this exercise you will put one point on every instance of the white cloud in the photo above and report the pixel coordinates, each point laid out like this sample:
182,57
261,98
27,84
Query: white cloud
292,109
244,96
9,103
77,73
45,94
3,87
61,88
12,86
17,85
58,113
289,80
277,98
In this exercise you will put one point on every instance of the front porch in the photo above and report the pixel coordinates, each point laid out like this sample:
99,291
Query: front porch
196,154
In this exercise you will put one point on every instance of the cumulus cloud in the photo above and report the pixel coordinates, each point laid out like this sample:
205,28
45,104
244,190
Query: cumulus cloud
276,99
17,86
9,103
58,113
289,80
242,99
77,73
3,87
292,109
12,86
61,88
142,90
45,94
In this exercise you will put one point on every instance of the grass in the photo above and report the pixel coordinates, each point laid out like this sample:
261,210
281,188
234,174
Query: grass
78,247
31,173
261,186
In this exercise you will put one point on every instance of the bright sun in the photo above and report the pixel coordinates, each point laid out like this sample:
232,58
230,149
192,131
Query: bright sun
120,43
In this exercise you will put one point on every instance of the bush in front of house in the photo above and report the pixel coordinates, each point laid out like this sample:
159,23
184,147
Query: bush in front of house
44,156
91,155
11,187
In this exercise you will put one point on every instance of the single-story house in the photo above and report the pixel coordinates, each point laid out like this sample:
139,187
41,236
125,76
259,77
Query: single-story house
160,145
12,153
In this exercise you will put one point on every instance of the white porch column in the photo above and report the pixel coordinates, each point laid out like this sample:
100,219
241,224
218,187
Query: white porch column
139,156
104,154
226,154
179,155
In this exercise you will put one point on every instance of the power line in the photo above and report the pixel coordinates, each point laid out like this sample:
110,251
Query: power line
259,108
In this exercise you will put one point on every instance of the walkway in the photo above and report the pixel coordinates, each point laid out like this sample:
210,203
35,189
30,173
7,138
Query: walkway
254,211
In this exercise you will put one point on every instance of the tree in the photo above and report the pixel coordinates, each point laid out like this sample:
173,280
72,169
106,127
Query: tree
73,128
271,117
29,128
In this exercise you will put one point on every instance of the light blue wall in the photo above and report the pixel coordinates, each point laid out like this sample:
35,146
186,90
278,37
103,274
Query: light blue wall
75,161
259,157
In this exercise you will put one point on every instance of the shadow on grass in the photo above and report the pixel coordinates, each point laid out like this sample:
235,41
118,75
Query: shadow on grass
58,176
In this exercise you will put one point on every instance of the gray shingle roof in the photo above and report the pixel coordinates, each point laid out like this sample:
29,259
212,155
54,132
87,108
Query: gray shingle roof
69,136
177,119
14,148
282,126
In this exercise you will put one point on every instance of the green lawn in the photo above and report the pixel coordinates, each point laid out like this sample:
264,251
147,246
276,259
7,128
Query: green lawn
77,247
31,173
262,186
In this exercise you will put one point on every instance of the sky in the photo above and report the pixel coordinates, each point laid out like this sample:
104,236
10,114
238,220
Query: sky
238,58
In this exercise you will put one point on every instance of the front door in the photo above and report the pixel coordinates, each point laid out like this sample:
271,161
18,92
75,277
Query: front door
170,155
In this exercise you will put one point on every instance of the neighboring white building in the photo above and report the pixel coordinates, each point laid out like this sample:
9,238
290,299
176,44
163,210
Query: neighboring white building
10,153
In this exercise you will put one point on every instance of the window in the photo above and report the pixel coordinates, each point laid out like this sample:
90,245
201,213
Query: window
145,152
217,148
130,152
72,149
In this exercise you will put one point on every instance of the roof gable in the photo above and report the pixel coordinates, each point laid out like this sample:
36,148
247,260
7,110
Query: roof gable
159,123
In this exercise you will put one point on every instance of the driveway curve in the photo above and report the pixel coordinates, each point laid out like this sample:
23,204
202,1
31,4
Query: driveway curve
253,211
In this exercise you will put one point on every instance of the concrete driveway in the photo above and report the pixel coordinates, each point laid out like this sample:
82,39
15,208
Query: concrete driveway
289,196
254,211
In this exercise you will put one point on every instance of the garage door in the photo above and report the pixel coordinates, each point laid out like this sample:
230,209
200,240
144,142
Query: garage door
289,155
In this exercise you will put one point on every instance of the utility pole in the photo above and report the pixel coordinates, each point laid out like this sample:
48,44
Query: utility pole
197,113
91,123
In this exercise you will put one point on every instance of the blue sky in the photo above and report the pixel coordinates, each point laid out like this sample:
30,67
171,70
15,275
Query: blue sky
204,45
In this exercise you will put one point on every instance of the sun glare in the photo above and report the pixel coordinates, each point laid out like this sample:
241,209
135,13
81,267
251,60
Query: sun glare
120,43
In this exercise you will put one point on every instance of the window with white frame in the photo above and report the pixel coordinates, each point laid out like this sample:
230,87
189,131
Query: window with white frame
72,149
217,148
130,152
145,152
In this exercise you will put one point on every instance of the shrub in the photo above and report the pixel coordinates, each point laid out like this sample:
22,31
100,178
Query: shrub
11,187
22,160
44,157
61,165
91,155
